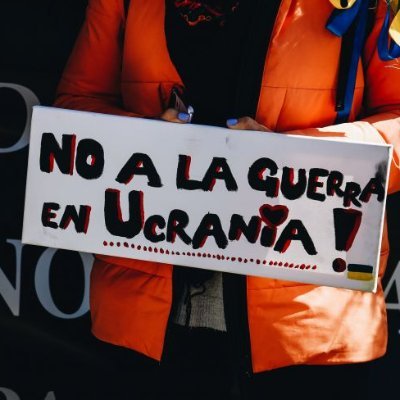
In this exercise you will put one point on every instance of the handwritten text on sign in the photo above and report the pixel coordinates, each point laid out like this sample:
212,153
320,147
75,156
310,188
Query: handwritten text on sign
253,203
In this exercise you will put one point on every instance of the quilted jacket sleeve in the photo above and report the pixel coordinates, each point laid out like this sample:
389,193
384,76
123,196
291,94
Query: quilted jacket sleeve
91,80
382,105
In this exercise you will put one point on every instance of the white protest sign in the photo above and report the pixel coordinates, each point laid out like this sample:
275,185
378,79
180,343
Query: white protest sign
253,203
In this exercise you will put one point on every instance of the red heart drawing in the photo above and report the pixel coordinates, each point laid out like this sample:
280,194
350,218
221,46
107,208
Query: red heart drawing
273,215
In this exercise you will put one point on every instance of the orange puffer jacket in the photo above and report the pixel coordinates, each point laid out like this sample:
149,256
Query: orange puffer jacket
289,323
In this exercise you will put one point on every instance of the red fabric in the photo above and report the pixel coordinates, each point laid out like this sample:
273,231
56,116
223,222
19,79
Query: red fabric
195,12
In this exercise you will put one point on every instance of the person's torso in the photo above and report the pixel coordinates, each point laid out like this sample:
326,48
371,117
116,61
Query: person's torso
300,74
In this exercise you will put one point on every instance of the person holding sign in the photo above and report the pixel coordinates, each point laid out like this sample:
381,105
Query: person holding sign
324,68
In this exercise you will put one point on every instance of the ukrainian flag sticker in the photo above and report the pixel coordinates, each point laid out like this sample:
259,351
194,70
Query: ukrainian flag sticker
360,272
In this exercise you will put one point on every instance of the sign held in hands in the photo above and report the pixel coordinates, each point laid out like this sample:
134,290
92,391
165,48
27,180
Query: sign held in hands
263,204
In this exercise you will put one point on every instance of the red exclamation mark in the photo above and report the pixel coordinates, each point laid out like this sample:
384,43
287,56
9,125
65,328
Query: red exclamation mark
347,223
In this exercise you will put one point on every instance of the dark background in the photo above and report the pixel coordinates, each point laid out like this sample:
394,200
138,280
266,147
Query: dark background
46,349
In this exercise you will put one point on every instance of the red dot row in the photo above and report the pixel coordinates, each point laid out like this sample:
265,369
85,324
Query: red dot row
208,255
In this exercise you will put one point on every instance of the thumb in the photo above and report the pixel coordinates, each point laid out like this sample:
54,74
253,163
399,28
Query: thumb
246,124
173,115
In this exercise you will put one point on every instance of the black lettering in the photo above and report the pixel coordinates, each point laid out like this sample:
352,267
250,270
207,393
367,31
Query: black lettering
374,186
113,215
351,191
48,215
239,226
289,189
268,236
178,220
80,220
183,180
150,226
347,223
295,230
139,164
89,159
210,225
333,184
256,180
51,151
219,169
314,183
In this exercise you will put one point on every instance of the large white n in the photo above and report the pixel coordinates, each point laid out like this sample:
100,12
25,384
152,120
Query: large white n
12,293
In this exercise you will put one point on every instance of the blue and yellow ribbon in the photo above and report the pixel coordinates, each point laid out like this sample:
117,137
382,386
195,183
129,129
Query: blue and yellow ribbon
343,4
347,14
347,10
354,13
394,30
343,16
389,37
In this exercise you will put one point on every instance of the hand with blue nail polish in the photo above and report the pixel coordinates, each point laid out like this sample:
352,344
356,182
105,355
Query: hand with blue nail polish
246,124
173,115
184,117
232,122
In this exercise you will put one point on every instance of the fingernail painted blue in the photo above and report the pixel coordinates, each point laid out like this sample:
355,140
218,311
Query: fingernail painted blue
183,116
232,121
